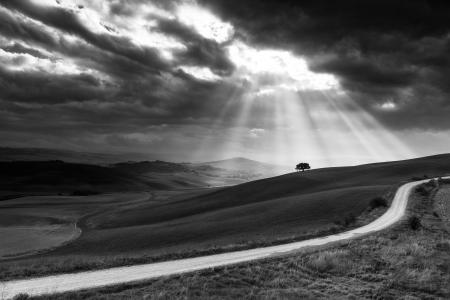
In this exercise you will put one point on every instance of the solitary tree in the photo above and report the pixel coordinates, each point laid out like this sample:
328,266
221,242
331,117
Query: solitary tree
302,166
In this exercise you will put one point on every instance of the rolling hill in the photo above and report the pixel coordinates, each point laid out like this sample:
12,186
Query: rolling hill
246,167
294,204
170,175
44,154
54,171
18,178
53,177
58,177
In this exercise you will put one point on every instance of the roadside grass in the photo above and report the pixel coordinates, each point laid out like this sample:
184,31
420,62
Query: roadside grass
41,266
334,261
398,263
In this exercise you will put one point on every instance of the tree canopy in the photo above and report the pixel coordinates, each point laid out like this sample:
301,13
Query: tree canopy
302,166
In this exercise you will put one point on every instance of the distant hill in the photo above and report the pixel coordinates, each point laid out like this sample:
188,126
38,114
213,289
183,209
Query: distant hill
44,154
52,177
258,169
184,175
156,166
58,177
215,173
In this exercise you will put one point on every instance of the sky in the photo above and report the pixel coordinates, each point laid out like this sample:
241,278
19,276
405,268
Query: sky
327,82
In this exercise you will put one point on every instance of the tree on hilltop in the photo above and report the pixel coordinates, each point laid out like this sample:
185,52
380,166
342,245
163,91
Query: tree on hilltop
302,166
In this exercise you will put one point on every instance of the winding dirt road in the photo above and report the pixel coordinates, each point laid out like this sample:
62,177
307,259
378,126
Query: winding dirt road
113,276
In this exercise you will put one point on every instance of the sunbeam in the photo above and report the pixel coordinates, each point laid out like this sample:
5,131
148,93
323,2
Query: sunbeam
326,128
377,141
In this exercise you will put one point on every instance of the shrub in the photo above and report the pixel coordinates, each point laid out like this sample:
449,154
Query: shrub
416,178
21,296
349,219
414,222
422,190
443,180
378,202
432,183
339,261
443,246
84,193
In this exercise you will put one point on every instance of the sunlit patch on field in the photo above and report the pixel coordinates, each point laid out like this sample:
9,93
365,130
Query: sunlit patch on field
38,224
25,240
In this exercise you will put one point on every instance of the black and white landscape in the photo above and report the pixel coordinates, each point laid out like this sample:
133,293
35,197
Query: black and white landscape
221,149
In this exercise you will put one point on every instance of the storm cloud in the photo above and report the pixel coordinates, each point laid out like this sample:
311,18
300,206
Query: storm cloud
116,70
380,50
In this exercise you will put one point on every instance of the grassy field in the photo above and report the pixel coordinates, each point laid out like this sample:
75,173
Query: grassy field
405,262
32,224
27,240
172,224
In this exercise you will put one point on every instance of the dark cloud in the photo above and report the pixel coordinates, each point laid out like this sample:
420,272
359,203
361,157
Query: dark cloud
48,88
380,51
200,51
356,72
21,49
12,27
16,28
170,93
69,22
376,48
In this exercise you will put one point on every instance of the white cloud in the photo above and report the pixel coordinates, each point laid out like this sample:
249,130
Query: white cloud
388,105
256,132
201,73
205,23
27,62
291,72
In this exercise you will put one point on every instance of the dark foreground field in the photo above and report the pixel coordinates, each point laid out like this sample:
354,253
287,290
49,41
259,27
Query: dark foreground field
166,225
409,261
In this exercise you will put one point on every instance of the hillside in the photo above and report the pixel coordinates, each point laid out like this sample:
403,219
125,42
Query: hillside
44,154
127,172
156,166
320,180
292,204
18,178
244,165
168,175
59,177
209,174
397,263
124,228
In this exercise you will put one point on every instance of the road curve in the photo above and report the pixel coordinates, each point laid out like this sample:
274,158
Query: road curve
92,279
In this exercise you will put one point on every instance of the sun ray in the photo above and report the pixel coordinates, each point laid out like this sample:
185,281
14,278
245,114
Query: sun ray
233,98
281,138
355,131
378,142
304,110
391,141
227,126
